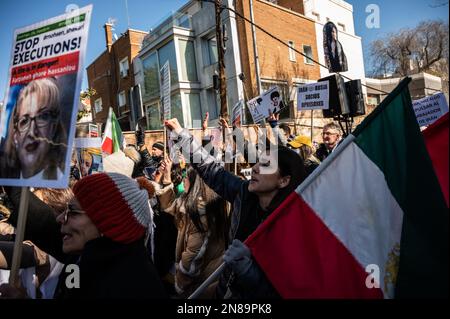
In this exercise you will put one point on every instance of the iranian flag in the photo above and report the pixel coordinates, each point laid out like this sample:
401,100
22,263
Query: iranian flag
370,222
436,140
113,139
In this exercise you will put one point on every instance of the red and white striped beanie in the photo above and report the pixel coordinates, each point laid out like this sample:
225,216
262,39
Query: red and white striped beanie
116,205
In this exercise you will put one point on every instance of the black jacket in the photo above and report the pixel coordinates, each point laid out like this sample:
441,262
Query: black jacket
146,161
322,152
113,270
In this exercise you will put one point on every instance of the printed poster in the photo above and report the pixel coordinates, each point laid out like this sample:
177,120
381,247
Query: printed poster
270,102
37,124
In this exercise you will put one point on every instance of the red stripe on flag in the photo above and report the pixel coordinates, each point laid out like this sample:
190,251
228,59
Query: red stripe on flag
107,145
302,257
436,141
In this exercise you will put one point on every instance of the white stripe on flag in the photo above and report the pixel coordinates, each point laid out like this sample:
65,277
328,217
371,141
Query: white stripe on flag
352,198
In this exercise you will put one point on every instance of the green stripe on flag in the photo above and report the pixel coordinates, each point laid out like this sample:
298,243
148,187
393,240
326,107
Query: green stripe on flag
391,138
51,27
117,136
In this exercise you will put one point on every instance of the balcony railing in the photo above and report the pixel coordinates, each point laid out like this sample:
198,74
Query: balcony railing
178,19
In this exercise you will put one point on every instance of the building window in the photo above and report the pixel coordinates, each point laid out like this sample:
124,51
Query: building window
153,117
124,67
284,88
316,15
307,50
122,99
167,53
211,55
184,21
151,78
176,108
341,26
187,58
192,101
291,51
373,99
98,105
213,104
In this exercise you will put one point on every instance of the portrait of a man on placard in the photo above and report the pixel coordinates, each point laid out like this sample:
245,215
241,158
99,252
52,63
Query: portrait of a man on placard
335,58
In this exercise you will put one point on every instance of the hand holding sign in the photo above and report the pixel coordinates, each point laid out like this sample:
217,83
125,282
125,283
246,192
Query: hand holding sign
205,122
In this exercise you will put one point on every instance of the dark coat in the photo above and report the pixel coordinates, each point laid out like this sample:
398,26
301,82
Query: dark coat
322,152
146,161
113,270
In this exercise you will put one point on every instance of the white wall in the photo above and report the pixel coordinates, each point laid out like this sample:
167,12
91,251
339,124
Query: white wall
338,12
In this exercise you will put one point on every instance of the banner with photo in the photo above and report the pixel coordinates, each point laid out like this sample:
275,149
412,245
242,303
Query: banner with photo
37,124
270,102
89,155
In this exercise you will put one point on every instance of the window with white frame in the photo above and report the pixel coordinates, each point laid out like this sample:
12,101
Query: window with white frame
213,104
153,116
187,57
307,50
98,105
341,26
316,15
122,99
123,65
192,101
291,51
210,52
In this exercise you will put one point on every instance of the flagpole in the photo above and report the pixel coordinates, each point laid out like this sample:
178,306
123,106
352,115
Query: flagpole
165,140
208,281
20,232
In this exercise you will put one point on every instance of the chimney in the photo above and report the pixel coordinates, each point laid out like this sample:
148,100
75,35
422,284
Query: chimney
108,35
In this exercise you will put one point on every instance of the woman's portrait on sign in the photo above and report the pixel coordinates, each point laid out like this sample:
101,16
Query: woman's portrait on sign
34,144
335,58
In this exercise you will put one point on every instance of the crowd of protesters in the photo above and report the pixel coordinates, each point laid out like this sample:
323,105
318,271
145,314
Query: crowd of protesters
161,231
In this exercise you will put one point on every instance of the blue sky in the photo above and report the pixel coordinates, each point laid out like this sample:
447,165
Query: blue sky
146,13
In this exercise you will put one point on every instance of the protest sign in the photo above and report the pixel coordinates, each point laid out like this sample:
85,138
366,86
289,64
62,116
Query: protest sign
216,137
430,108
89,155
165,90
93,130
313,96
37,125
270,102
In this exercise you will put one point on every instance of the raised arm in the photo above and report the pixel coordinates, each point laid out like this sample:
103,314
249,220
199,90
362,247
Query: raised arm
215,176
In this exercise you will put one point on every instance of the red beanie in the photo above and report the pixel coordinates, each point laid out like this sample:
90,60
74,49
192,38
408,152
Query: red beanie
115,204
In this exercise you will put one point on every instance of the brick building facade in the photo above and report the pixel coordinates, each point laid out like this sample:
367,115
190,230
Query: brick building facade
112,77
279,65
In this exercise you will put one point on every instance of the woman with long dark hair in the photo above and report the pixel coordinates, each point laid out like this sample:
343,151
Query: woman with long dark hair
334,53
277,174
202,224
